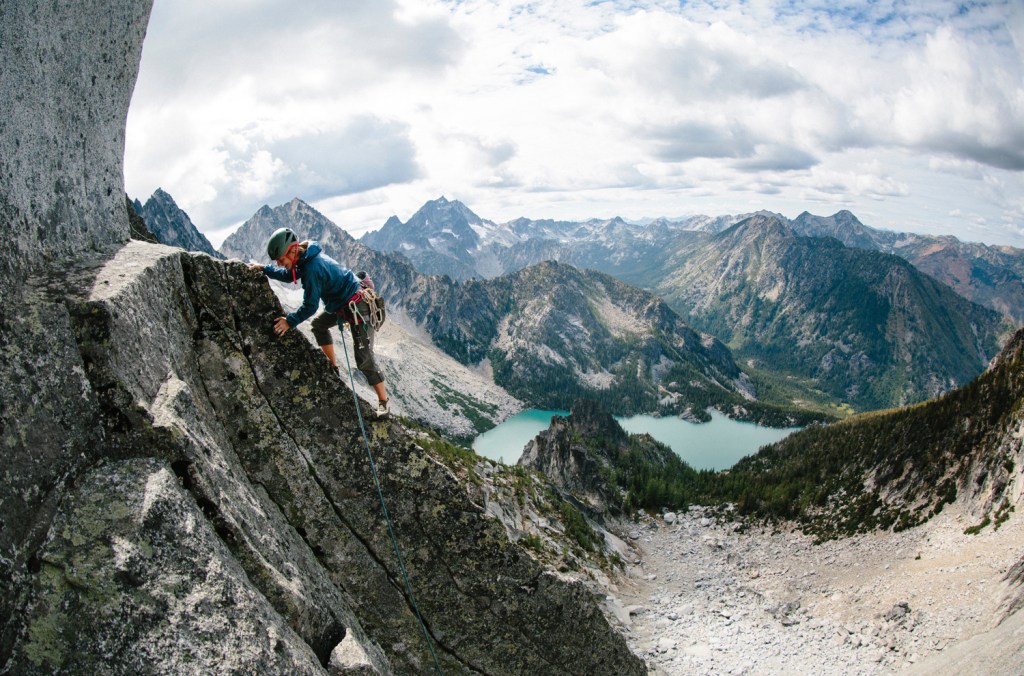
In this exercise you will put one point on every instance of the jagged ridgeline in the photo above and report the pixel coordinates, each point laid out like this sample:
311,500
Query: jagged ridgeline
184,492
171,225
446,237
822,309
551,333
436,251
990,275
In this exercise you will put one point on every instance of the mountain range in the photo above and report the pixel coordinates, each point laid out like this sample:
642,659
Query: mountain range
547,334
866,327
811,319
808,320
446,237
846,316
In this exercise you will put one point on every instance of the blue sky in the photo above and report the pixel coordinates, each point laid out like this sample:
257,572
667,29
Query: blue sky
909,114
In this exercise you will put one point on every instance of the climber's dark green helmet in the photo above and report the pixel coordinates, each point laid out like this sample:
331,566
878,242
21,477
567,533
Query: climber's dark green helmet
279,242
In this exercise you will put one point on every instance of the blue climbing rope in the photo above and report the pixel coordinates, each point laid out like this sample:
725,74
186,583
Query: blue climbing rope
384,507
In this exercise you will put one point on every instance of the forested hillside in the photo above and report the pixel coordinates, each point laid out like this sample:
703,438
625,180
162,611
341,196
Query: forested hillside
895,468
892,469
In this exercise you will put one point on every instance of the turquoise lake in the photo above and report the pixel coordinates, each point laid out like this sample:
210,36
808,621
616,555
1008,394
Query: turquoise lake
714,445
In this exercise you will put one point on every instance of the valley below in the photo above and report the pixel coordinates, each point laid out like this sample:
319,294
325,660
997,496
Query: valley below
704,596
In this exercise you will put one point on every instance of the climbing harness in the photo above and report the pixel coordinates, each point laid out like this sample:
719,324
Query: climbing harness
384,507
374,304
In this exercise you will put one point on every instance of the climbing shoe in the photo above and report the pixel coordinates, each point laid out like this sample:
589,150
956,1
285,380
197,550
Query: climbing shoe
382,409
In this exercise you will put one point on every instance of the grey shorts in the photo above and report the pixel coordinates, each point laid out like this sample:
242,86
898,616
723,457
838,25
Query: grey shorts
362,341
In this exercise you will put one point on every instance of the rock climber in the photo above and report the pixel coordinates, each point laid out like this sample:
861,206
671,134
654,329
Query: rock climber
324,278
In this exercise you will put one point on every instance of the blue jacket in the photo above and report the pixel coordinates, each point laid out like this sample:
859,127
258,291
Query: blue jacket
322,277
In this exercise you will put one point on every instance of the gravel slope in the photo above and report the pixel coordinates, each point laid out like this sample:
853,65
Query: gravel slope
706,598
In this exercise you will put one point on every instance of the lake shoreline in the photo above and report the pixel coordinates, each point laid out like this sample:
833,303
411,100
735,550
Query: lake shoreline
715,445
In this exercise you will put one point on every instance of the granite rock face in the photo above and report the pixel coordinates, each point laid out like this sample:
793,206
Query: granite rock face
183,491
116,603
571,463
583,453
68,74
273,485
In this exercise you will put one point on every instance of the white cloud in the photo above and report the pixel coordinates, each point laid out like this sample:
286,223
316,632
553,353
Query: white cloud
567,108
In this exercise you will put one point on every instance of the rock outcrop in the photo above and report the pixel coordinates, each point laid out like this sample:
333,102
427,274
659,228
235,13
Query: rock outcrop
589,457
185,492
577,453
228,496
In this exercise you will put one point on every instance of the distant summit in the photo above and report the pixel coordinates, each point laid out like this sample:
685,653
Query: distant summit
171,225
442,238
843,226
249,242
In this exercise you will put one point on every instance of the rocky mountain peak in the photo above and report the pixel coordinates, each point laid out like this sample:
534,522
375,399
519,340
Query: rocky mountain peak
756,231
440,238
249,241
842,225
577,452
171,225
163,196
440,214
769,223
591,458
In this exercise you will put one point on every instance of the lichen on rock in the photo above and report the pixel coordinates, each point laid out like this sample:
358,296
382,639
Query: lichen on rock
186,492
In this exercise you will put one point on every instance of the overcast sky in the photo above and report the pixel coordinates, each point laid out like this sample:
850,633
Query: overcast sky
909,114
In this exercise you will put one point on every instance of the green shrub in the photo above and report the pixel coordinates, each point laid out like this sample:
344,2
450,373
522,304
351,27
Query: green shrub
974,530
577,528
